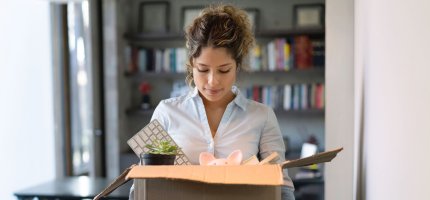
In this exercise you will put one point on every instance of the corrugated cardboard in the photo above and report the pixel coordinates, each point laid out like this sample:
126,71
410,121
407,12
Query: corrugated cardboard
168,189
211,182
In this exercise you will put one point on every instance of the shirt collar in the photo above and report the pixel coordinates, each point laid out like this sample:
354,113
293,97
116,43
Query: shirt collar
239,100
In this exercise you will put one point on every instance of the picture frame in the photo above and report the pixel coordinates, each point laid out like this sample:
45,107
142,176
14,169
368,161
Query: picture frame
188,14
254,17
308,16
154,17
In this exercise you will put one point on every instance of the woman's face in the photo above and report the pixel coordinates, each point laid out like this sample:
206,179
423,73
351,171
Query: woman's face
214,74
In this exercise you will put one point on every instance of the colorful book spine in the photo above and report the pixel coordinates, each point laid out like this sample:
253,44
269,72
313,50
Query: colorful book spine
290,96
303,52
287,97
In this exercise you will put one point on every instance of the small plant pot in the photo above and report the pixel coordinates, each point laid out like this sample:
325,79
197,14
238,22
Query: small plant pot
158,159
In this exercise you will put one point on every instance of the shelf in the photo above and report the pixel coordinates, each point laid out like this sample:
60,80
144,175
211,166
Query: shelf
140,112
153,75
138,37
153,36
136,111
290,32
306,112
311,72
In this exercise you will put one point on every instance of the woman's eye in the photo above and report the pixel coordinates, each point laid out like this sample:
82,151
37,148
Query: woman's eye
224,71
202,70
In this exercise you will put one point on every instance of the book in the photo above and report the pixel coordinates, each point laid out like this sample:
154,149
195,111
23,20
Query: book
303,52
287,97
318,53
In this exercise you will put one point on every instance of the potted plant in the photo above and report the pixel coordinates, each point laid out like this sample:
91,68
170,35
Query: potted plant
160,153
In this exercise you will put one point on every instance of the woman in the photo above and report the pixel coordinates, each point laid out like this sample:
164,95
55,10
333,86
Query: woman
215,117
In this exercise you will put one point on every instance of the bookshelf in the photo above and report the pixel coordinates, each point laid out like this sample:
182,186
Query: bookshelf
246,80
315,74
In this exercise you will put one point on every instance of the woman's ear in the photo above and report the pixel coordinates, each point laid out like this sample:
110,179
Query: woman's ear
235,158
205,158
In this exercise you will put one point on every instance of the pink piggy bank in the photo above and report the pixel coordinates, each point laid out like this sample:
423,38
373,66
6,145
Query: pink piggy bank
235,158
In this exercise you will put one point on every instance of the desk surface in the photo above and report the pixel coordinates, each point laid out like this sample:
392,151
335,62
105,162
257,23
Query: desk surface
87,188
73,188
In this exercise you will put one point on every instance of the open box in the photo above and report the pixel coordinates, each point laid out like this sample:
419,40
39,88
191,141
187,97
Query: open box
211,182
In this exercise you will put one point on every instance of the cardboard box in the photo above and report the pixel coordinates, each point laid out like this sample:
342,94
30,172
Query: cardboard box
207,182
211,182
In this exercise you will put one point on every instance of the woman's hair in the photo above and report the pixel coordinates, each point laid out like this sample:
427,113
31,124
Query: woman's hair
219,26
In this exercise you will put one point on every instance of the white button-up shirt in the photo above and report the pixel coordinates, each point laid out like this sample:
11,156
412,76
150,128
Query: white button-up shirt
247,125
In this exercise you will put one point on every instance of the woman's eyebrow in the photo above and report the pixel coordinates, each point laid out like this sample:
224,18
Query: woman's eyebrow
205,65
202,64
226,64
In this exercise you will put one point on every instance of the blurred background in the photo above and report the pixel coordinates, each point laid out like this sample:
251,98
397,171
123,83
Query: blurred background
79,78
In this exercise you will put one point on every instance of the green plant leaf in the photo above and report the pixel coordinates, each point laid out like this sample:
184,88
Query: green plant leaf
162,147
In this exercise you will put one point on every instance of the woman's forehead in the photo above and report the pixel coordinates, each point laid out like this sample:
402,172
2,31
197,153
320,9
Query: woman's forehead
214,53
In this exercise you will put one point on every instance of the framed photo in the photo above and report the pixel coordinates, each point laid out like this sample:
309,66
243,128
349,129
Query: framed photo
154,17
308,16
189,13
254,15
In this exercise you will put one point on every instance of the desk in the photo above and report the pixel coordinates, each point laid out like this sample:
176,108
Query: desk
76,188
73,188
309,189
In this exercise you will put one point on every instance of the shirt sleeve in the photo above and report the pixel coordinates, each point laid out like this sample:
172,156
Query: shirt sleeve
158,114
271,140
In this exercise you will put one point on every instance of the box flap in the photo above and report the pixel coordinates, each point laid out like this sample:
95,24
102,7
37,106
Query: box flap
242,174
317,158
120,180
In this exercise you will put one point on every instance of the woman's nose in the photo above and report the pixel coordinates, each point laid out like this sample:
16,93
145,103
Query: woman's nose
213,79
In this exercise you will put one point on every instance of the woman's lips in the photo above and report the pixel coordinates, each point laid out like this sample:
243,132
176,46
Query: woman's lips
213,91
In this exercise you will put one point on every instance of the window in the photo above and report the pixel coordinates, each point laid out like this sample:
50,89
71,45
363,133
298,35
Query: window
80,92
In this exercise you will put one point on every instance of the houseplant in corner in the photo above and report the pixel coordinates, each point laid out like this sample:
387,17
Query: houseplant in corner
160,153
